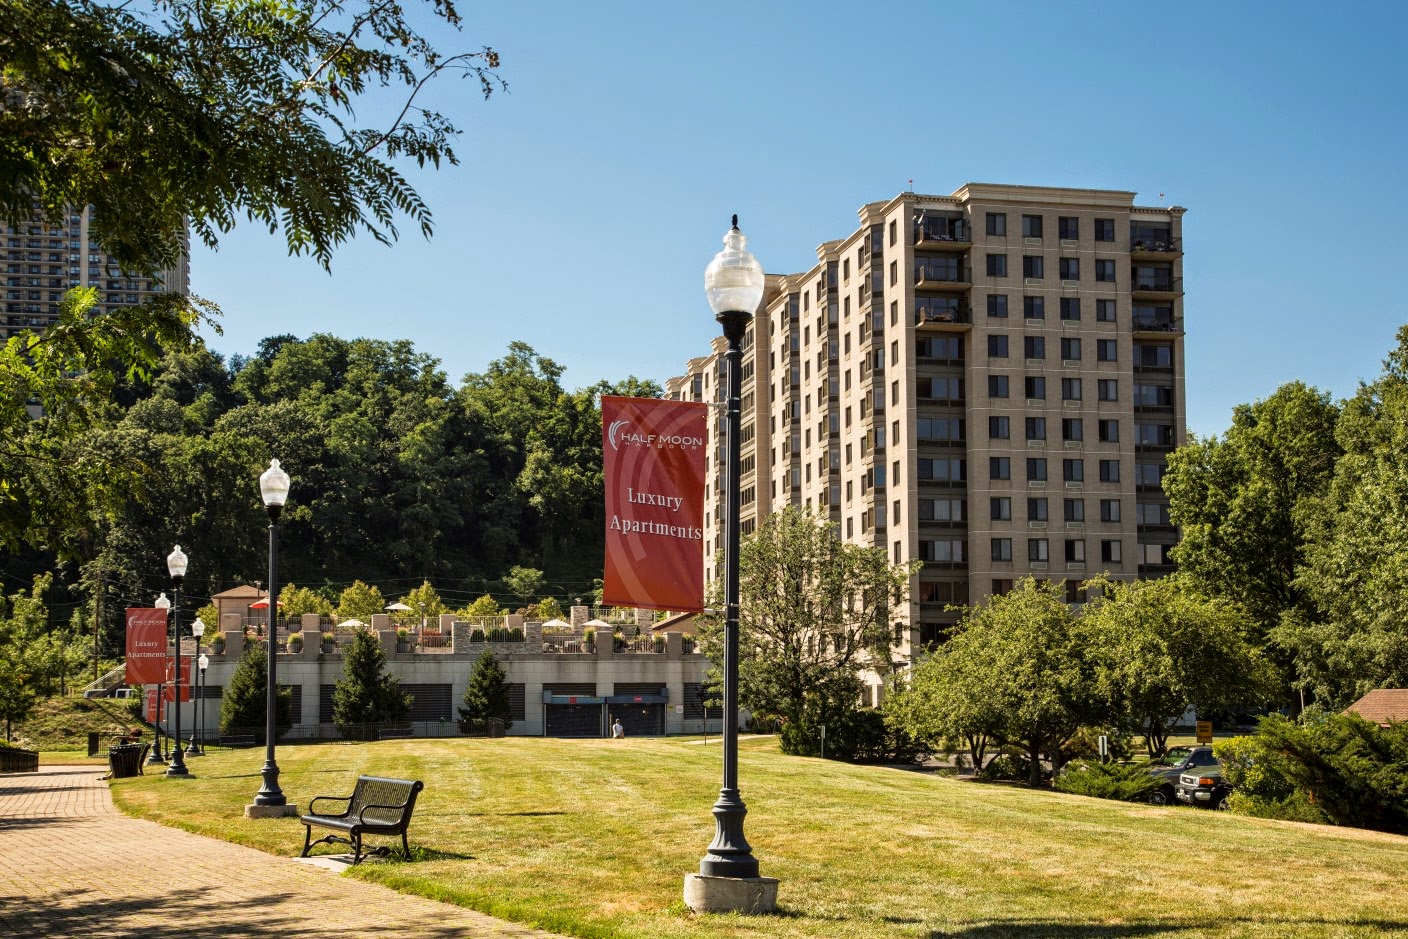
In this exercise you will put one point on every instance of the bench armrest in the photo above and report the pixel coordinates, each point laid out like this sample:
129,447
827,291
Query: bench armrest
317,799
361,816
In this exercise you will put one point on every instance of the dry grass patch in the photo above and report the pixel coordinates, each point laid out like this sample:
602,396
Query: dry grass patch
592,838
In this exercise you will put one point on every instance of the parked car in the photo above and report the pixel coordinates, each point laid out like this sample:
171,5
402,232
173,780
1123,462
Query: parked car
1177,761
1203,787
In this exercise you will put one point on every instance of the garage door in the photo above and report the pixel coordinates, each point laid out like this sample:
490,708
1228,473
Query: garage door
640,720
573,720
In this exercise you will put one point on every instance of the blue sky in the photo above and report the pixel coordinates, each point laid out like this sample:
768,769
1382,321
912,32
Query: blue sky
593,194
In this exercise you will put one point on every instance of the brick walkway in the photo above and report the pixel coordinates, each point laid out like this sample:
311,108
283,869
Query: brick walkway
71,865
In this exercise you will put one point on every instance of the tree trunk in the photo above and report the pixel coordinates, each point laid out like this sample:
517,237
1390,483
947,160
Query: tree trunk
1034,774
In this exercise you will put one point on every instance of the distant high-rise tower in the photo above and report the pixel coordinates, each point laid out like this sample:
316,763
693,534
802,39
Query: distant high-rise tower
987,381
41,262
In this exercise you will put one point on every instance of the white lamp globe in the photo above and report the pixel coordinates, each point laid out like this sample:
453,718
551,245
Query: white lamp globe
273,485
198,628
176,562
733,281
162,603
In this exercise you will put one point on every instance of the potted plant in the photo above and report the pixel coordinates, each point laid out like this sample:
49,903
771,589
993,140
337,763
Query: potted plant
295,642
217,644
476,634
329,641
618,640
403,639
589,638
687,645
658,643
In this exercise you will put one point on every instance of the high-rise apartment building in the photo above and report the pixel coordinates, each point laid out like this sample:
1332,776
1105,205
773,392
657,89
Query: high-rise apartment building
988,381
41,262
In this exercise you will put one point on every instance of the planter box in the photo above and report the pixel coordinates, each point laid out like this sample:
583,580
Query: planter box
19,761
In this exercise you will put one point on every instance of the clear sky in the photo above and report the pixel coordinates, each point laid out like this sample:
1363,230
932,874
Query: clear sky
593,194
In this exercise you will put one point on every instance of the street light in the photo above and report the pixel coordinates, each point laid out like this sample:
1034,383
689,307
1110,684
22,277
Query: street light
176,567
273,489
157,757
733,283
197,630
204,663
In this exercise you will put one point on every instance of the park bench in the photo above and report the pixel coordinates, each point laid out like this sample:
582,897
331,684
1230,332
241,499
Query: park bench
377,806
395,733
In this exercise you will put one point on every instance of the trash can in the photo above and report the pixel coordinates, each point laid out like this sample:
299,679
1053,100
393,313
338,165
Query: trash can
125,760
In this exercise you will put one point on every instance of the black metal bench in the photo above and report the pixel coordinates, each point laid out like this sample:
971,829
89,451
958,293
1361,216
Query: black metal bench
377,806
395,733
237,740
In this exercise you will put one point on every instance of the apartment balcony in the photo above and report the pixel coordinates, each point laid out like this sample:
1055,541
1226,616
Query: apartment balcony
943,237
1155,249
945,315
933,275
1158,325
1157,288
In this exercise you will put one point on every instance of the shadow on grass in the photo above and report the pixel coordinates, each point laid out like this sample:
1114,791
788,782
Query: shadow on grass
1032,929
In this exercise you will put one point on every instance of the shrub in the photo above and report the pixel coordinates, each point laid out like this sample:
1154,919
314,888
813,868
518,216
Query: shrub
515,634
403,634
295,642
476,634
1005,766
1128,782
487,695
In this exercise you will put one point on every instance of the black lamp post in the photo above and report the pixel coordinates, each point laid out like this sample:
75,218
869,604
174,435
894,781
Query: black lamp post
176,567
734,284
273,488
198,696
204,663
156,757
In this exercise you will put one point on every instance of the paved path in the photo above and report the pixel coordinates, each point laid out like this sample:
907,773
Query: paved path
71,865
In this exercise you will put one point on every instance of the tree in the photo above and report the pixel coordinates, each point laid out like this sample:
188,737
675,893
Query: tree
1161,646
295,601
366,694
424,602
21,675
1246,501
244,706
525,583
360,601
160,112
945,705
1021,664
486,697
484,606
548,608
813,612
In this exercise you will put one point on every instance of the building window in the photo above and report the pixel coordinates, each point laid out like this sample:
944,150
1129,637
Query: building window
997,346
1069,268
1070,308
997,265
1153,396
997,386
1000,507
1154,354
1075,510
1109,431
997,305
999,427
1109,471
1110,552
1073,471
894,232
1070,389
1034,308
1035,387
894,273
1151,513
1072,428
999,467
1068,228
1001,586
1106,350
1104,270
1153,435
1034,347
948,470
1001,550
1038,549
1036,468
1036,428
943,552
1075,550
1109,389
1036,509
1105,311
1070,349
997,223
1104,229
937,429
1031,226
1033,266
1109,510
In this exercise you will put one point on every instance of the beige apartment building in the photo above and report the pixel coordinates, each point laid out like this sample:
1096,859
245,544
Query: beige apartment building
989,381
41,262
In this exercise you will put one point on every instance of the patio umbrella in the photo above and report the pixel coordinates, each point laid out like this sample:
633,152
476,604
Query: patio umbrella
262,604
397,606
351,624
556,624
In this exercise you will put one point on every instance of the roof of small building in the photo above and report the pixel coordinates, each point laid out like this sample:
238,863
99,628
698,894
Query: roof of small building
678,623
239,593
1382,705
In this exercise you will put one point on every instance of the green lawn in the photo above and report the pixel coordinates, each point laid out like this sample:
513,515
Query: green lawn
593,838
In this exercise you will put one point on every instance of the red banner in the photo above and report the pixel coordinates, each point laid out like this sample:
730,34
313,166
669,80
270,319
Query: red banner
146,646
653,461
152,704
170,691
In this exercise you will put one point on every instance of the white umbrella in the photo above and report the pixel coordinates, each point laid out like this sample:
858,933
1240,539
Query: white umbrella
351,624
397,606
556,624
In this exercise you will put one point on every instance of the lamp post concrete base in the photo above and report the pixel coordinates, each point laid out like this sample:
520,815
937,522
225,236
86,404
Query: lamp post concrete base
705,894
271,811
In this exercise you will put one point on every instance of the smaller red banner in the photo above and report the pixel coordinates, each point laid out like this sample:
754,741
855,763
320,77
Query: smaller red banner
169,693
152,705
146,659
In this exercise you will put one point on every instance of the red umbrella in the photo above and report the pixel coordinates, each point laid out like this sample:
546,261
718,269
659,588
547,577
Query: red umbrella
262,604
